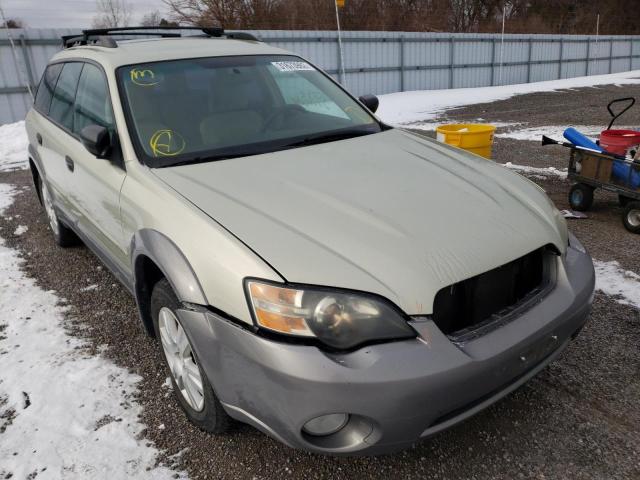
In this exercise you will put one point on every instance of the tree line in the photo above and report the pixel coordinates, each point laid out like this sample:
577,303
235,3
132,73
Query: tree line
607,17
521,16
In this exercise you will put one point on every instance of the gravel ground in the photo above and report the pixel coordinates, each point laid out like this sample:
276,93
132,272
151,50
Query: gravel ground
584,106
578,418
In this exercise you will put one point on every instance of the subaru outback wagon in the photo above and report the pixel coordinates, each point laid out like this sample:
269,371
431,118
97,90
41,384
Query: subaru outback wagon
343,286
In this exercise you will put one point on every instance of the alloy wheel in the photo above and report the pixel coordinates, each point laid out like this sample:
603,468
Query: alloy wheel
181,359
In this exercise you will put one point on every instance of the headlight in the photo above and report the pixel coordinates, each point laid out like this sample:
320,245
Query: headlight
338,319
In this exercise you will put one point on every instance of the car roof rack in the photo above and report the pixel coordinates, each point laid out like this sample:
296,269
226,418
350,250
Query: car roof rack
102,37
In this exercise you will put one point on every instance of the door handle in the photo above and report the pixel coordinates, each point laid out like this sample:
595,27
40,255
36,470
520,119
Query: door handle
39,138
69,162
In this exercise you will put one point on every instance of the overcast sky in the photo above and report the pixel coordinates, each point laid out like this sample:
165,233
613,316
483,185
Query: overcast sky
68,13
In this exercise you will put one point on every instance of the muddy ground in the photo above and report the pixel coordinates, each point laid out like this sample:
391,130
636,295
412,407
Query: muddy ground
577,419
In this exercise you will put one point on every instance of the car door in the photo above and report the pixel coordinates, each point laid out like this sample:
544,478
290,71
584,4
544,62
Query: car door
95,183
53,133
39,125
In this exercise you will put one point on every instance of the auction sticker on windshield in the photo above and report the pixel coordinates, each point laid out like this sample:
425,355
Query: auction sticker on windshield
292,66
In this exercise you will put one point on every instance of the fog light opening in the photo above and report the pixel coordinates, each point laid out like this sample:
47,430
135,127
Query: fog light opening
326,424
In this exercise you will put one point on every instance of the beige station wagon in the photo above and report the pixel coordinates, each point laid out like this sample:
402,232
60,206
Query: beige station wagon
344,286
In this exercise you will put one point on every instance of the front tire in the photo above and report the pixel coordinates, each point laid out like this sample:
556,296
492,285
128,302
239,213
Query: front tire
62,235
581,197
631,217
190,384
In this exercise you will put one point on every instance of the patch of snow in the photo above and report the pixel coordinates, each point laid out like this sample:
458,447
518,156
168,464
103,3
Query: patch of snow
13,147
424,105
555,132
624,285
89,288
537,171
20,230
63,414
431,126
6,196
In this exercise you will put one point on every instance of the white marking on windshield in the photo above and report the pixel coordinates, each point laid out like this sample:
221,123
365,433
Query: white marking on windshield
292,66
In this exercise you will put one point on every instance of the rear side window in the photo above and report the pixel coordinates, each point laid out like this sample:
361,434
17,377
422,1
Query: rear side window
61,110
46,88
93,106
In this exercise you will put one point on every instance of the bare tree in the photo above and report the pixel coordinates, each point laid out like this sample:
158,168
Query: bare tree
112,13
522,16
151,19
205,12
12,23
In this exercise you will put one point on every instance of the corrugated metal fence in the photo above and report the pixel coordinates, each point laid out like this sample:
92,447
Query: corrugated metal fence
376,62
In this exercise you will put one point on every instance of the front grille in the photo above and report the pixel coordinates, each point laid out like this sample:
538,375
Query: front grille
467,306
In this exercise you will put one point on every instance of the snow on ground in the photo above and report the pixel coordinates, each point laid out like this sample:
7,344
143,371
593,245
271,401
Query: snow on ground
6,195
425,105
554,131
546,171
20,230
13,147
622,284
63,413
431,126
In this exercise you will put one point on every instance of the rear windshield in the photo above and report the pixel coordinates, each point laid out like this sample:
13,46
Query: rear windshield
210,108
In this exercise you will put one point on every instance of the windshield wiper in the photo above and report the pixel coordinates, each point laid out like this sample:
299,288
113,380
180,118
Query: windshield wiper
262,149
207,158
329,137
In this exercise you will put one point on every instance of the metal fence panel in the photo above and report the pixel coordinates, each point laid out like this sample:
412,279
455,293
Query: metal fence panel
376,62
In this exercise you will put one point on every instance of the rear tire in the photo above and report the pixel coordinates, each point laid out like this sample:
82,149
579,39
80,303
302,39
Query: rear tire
62,235
190,384
631,217
581,197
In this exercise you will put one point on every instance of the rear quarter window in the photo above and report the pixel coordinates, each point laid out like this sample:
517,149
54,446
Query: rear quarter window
46,88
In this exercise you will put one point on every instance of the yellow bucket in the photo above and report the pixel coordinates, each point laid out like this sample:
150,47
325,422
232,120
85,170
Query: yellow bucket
474,137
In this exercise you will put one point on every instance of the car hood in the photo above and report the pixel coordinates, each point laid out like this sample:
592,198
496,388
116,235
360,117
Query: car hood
391,213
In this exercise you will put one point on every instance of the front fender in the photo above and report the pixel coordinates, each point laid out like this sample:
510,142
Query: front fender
171,261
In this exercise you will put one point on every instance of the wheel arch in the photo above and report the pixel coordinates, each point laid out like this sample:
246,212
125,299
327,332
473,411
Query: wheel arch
34,166
154,256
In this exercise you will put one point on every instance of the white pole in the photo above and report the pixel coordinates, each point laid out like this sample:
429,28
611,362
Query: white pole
597,33
501,46
342,73
13,50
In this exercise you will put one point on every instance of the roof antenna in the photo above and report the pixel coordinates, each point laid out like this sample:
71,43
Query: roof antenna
13,50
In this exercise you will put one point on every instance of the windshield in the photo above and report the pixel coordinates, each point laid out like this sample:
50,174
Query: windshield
212,108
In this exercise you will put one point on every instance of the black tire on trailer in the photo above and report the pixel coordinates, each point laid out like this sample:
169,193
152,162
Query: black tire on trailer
62,235
631,217
191,386
622,200
581,197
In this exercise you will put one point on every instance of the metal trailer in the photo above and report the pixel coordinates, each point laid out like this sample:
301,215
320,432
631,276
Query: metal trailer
590,170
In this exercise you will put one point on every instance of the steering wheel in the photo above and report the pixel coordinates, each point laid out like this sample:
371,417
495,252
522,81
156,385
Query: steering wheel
280,112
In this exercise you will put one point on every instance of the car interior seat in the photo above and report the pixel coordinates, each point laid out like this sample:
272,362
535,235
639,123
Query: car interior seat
235,110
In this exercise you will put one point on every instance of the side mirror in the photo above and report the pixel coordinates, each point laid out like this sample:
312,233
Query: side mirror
97,140
370,101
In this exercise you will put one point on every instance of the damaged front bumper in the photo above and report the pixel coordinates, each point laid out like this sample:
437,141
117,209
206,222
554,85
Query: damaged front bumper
394,393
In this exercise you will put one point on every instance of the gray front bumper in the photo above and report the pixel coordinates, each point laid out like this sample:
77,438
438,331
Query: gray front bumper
396,393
